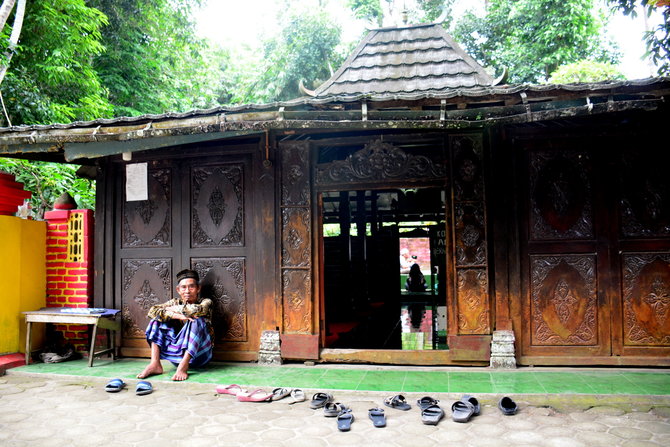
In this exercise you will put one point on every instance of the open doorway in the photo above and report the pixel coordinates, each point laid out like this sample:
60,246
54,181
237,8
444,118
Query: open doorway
371,241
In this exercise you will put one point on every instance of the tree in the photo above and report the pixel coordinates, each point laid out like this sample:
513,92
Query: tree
658,39
153,62
304,49
381,12
51,77
534,37
585,71
47,181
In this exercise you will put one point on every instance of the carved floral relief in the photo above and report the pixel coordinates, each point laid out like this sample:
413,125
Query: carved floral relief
563,300
646,299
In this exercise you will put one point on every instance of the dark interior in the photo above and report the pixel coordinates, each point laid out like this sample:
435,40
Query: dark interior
364,295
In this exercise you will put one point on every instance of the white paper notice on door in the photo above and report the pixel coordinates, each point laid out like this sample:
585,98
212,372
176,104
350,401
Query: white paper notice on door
136,182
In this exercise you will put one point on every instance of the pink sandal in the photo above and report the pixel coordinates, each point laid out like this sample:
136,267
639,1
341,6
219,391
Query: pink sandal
230,389
255,396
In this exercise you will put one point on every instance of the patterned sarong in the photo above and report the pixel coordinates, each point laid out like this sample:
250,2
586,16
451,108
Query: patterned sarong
174,341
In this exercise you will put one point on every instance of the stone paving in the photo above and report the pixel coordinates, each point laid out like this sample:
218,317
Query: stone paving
44,410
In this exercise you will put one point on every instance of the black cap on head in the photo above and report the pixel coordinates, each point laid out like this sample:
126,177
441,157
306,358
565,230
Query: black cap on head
186,274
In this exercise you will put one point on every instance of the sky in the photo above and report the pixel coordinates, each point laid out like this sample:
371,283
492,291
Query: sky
234,22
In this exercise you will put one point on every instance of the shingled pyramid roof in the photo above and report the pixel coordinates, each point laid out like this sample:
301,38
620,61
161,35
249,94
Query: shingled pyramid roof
413,59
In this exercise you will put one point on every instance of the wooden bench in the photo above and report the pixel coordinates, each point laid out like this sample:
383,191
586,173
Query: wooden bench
109,319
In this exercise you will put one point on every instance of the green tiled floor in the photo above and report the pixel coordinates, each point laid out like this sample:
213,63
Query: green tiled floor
394,379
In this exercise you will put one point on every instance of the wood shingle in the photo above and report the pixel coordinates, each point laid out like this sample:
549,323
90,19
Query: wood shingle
408,60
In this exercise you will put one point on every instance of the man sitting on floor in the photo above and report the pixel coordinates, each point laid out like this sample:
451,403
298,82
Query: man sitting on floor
180,329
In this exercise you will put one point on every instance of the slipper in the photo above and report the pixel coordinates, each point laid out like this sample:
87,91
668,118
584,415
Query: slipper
474,402
398,402
462,411
431,415
319,400
280,393
114,386
507,406
255,396
230,389
143,387
297,395
344,420
333,409
426,402
377,417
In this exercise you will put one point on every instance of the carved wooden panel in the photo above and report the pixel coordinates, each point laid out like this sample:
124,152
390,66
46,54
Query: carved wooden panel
470,237
563,300
379,160
296,237
467,167
645,205
646,298
217,202
224,282
145,282
295,175
147,223
297,292
473,302
560,195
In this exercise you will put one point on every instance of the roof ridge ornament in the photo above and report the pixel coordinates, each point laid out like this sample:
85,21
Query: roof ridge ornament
502,79
304,90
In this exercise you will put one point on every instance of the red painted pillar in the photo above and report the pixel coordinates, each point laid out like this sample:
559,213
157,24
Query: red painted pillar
70,266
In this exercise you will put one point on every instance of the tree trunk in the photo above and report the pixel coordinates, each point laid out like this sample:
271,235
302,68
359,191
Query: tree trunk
5,9
14,38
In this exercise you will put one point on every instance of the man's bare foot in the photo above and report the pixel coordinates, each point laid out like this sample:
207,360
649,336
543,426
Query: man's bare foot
151,370
180,375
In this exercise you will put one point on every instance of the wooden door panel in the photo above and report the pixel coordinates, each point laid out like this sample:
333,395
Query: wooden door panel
148,223
564,313
217,205
646,299
224,281
564,301
145,282
560,200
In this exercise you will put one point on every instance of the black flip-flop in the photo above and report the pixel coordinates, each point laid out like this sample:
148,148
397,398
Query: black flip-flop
377,417
432,415
143,387
115,385
474,402
319,400
398,402
330,410
462,411
426,402
507,406
344,420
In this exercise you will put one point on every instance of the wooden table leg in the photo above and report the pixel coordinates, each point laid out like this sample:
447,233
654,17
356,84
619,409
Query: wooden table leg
29,327
92,350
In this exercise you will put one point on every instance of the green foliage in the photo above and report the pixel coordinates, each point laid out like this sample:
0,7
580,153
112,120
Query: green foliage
304,49
370,10
534,37
585,71
153,61
88,59
51,78
47,181
426,11
658,39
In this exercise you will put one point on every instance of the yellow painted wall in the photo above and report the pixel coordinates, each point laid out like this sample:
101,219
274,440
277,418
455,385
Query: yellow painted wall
23,279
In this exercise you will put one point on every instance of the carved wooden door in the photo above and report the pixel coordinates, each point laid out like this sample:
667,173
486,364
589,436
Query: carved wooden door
595,261
197,216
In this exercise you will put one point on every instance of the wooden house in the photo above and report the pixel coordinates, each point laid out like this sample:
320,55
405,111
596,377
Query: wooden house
540,214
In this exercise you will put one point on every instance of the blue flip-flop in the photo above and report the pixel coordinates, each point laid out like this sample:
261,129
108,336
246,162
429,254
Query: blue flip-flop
114,386
143,387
